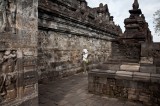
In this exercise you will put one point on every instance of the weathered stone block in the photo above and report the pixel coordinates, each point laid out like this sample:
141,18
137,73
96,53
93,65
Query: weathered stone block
102,73
3,44
130,67
138,76
29,90
155,78
12,94
146,60
30,102
98,73
124,75
144,50
133,84
110,73
132,97
132,91
95,70
157,61
158,70
148,69
110,66
30,77
28,52
29,68
90,78
91,87
144,98
103,80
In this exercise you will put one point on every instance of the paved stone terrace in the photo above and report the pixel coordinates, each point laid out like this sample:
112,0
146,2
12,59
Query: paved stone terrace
72,91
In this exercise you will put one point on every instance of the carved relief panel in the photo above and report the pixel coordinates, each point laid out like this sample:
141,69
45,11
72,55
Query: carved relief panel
8,16
126,51
8,75
30,77
43,54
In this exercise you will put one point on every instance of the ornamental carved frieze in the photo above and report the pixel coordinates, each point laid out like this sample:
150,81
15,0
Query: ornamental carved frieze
79,10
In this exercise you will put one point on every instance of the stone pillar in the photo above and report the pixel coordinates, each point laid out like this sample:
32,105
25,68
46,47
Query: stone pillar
18,53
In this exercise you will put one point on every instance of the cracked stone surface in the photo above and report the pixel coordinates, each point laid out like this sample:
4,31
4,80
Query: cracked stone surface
72,91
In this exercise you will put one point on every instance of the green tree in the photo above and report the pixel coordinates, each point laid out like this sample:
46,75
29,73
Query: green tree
157,21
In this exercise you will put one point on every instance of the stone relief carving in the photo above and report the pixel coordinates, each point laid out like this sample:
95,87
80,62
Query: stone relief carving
44,54
8,15
80,10
126,51
8,75
130,51
154,53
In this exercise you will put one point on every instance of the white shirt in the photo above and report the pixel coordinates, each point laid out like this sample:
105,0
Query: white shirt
85,55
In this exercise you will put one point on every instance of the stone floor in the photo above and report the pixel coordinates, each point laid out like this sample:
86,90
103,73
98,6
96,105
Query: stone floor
72,91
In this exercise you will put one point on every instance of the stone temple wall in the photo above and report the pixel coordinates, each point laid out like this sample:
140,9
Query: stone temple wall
63,57
125,52
65,29
132,72
126,77
44,39
18,53
132,86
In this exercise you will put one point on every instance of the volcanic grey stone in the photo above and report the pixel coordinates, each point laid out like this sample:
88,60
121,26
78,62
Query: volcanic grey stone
124,75
148,69
130,67
155,78
138,76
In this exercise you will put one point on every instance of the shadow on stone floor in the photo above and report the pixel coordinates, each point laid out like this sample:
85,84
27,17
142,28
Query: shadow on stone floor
72,91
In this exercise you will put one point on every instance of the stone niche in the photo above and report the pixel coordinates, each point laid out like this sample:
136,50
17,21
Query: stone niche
18,53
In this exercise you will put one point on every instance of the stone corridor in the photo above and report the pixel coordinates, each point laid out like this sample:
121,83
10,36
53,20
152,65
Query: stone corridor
72,91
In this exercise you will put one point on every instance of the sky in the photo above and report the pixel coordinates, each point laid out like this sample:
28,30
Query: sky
119,9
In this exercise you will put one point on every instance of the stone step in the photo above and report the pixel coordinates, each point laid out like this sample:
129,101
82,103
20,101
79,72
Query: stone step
109,66
148,68
158,70
125,75
124,60
139,76
130,67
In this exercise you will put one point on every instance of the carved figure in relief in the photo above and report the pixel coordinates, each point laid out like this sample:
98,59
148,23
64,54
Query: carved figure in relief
8,15
3,15
8,75
12,14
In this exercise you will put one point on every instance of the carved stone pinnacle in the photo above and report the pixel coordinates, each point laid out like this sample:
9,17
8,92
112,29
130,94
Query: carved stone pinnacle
135,5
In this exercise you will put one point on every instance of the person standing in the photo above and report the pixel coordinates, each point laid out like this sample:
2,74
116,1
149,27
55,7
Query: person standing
85,60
